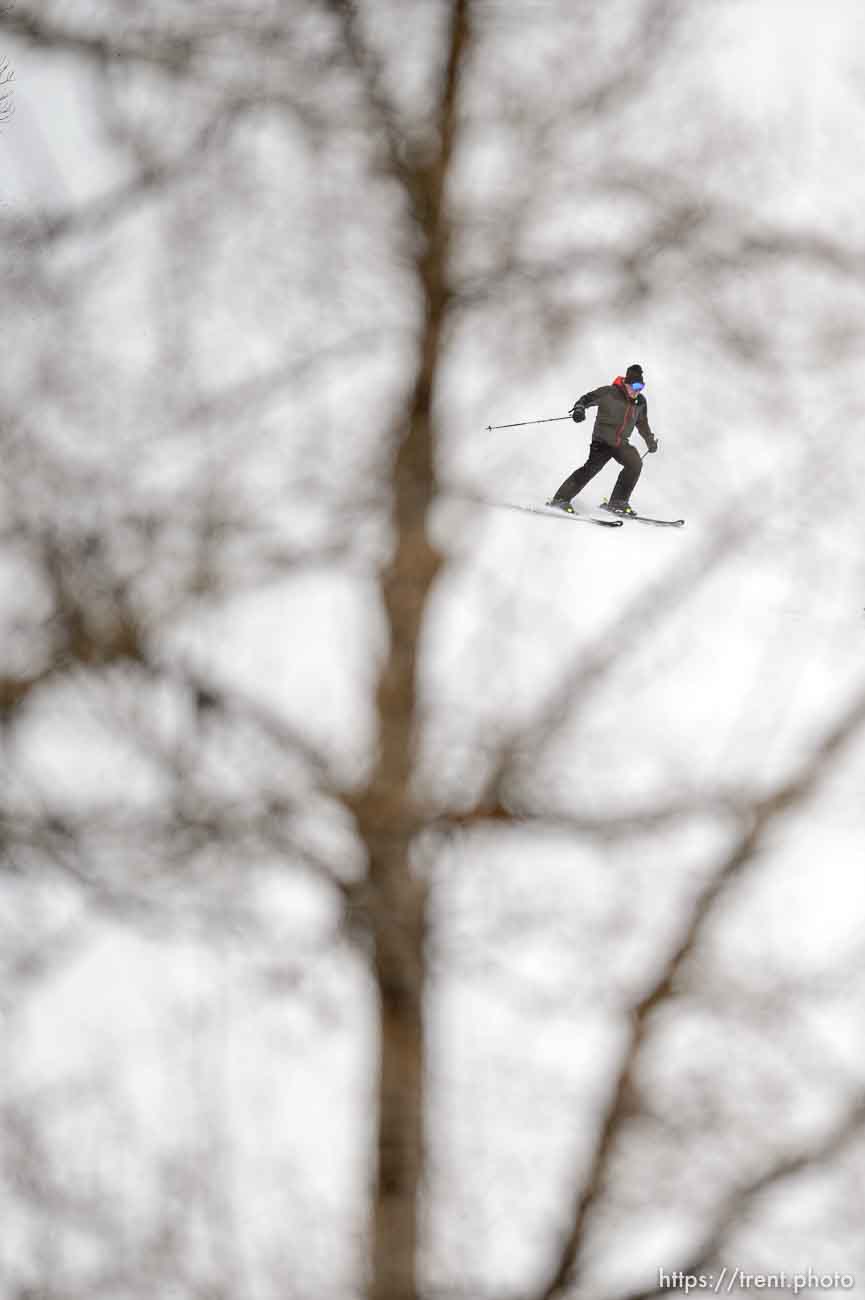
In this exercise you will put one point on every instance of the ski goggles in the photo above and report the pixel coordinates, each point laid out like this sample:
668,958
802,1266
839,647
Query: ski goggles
636,386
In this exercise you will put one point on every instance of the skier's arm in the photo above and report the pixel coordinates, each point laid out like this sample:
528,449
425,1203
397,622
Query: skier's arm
588,399
644,428
578,409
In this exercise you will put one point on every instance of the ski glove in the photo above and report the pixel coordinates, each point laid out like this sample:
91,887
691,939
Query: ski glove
653,445
579,413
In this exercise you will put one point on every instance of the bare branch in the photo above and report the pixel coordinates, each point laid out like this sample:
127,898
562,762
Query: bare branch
7,107
171,52
590,667
759,821
608,829
97,214
739,1201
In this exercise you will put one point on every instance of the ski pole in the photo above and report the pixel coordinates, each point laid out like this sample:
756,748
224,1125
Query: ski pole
550,420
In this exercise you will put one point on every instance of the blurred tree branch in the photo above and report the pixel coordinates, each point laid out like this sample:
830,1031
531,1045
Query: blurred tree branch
759,817
847,1127
172,52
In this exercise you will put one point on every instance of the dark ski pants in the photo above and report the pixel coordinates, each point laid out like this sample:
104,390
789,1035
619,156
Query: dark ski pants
599,453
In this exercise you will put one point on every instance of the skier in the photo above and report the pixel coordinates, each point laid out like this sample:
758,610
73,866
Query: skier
621,407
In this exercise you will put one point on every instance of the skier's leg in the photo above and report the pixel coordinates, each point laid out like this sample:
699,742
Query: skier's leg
632,467
599,454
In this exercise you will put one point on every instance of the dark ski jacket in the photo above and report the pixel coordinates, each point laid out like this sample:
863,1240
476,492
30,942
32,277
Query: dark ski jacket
618,414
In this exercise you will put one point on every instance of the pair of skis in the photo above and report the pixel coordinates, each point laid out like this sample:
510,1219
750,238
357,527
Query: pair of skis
552,512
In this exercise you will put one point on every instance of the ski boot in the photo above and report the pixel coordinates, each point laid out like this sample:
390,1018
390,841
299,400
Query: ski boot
618,508
561,503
